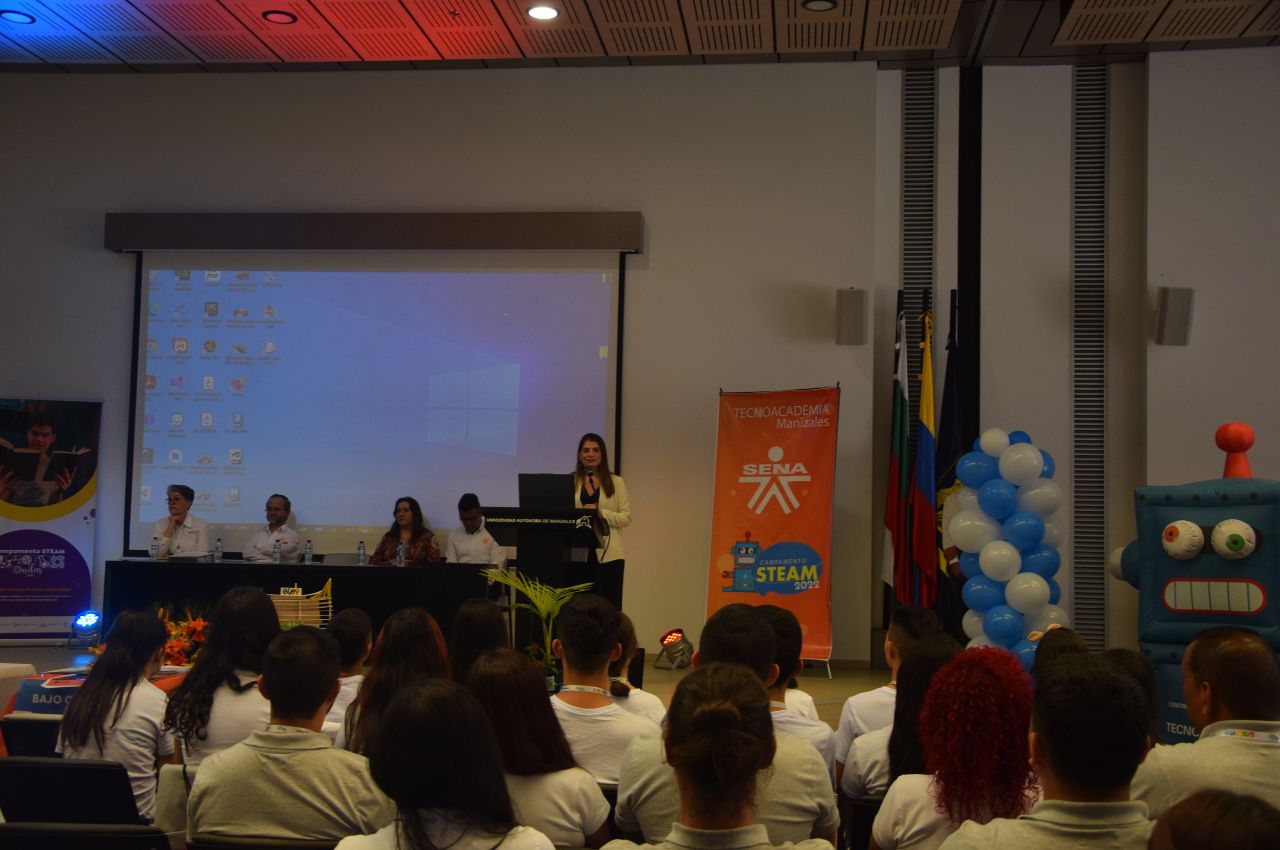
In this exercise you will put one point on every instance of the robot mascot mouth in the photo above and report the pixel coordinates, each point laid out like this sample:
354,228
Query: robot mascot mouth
1210,595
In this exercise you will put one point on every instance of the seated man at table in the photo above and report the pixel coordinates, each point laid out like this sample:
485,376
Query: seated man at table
473,544
288,781
261,546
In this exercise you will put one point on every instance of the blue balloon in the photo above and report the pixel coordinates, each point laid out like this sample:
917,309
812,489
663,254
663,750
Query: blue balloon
1026,652
1003,625
998,498
1024,530
981,593
1049,465
969,564
976,469
1042,560
1055,592
977,445
1019,437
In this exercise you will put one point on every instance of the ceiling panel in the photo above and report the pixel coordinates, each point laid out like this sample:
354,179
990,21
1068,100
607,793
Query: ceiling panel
464,29
379,30
640,27
1188,20
570,34
122,29
207,29
1108,21
1268,23
51,38
308,38
11,52
802,31
910,24
1040,41
719,27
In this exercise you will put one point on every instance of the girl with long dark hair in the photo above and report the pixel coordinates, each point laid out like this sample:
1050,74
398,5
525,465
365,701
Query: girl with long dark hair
218,703
409,646
117,714
548,790
408,529
436,758
478,626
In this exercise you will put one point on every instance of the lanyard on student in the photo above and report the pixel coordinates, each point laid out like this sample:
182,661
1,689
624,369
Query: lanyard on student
1270,737
584,689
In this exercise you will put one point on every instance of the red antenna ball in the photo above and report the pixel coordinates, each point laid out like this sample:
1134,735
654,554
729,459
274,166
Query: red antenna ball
1235,438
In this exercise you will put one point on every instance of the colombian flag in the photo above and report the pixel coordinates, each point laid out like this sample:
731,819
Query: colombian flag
924,507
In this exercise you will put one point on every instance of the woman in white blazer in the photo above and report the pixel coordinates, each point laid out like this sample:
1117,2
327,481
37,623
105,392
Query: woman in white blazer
596,488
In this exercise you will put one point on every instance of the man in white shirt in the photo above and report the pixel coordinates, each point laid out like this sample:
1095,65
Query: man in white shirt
794,798
353,630
1088,735
1231,682
261,546
289,781
874,709
473,544
598,731
788,639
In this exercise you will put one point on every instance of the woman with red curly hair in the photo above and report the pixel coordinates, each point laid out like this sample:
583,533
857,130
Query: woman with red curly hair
973,735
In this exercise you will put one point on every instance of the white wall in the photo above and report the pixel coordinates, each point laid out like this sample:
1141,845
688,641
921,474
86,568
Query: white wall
757,184
1213,223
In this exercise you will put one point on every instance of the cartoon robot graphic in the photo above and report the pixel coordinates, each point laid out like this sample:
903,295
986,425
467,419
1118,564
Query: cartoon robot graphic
745,552
1207,554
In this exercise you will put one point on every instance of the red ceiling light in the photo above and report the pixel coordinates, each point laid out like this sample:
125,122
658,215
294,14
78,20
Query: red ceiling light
279,16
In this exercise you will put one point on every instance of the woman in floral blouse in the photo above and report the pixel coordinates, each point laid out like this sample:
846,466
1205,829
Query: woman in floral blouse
410,529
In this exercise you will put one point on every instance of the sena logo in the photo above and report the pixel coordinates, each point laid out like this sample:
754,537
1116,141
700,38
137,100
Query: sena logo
773,482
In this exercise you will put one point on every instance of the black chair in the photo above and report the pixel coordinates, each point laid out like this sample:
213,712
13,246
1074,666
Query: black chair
76,836
44,790
858,816
31,735
226,842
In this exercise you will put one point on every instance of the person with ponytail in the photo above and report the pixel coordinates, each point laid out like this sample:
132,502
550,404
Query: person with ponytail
621,691
218,703
435,756
117,714
718,737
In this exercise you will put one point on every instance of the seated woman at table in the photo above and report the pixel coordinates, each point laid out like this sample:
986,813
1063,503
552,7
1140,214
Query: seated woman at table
117,714
218,703
410,530
181,533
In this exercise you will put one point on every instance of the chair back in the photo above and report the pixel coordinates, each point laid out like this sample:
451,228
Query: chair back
77,836
172,789
54,790
858,817
31,734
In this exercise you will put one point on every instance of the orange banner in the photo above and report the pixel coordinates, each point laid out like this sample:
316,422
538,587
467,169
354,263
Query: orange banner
771,519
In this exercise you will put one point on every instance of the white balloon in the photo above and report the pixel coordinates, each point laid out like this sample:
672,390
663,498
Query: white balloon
1021,463
1054,532
1051,615
993,441
979,641
1027,593
972,529
1000,560
966,499
1042,496
972,624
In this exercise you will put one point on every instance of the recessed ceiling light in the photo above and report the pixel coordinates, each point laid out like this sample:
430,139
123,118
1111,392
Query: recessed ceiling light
13,16
277,16
819,5
543,12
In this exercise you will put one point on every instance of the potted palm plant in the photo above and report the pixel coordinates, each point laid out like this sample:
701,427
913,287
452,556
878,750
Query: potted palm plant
544,602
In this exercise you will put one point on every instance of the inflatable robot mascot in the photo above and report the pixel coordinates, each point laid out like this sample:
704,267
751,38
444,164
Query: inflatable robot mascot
1207,554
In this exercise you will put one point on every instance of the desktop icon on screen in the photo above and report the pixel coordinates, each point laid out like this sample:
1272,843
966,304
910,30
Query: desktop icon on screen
206,419
144,493
175,456
235,457
242,275
182,274
148,456
269,347
206,383
176,420
241,312
237,420
177,382
179,345
211,309
233,495
151,382
212,276
237,384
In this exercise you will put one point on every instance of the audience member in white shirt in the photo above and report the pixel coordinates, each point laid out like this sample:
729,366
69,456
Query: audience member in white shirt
800,701
788,640
868,768
473,544
118,715
261,546
598,731
621,691
218,703
436,757
973,737
353,630
874,709
548,790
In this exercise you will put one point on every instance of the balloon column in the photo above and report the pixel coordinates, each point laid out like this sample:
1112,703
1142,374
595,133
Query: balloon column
1004,526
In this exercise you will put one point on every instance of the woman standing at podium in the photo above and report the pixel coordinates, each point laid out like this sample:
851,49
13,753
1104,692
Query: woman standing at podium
596,488
410,530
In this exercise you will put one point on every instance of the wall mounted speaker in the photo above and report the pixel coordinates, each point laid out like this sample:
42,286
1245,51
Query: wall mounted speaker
851,316
1173,315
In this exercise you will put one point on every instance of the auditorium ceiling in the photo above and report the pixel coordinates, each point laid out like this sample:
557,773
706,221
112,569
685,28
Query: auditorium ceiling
353,35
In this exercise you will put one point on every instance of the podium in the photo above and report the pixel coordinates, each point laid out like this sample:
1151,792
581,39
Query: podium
543,539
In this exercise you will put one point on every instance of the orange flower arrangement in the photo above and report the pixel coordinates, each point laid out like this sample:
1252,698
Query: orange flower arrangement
186,637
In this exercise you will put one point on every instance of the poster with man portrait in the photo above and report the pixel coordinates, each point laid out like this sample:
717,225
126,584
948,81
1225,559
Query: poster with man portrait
48,506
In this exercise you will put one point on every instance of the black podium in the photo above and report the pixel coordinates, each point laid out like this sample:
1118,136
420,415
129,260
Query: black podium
543,539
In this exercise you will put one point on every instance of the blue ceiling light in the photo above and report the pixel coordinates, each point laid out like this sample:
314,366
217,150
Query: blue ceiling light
13,16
